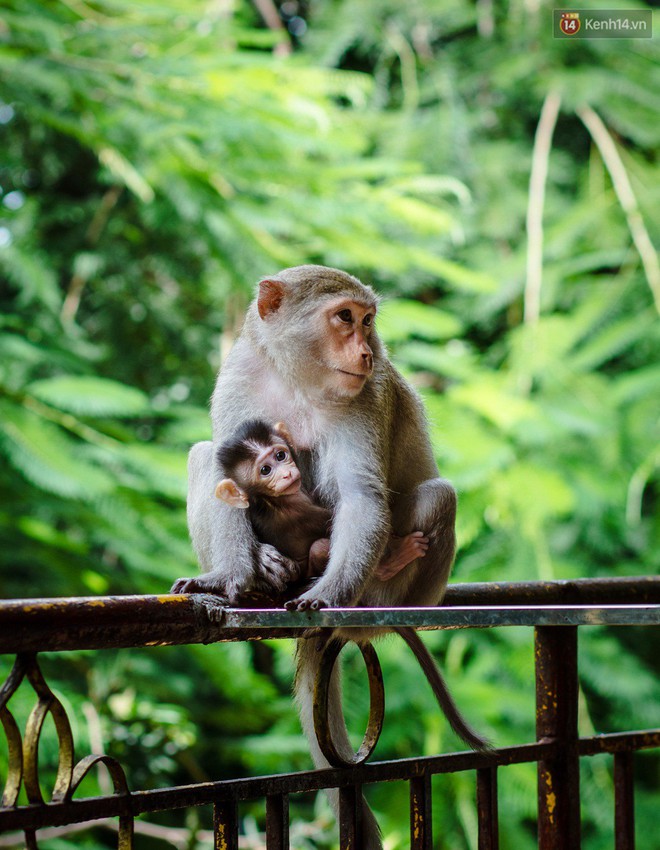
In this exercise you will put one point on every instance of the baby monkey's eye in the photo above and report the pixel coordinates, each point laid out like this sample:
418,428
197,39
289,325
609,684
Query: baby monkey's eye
265,470
281,455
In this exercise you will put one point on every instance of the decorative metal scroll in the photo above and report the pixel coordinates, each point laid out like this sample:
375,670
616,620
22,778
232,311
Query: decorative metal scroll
322,720
23,770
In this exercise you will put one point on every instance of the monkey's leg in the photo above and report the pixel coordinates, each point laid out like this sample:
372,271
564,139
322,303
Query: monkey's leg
399,552
430,507
319,553
233,561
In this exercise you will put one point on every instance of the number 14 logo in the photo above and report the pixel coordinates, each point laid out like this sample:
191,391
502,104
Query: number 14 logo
570,23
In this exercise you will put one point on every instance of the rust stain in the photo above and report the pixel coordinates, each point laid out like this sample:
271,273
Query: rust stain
416,824
550,799
221,838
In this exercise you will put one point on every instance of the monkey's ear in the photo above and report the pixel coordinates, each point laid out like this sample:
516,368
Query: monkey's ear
271,293
281,429
231,493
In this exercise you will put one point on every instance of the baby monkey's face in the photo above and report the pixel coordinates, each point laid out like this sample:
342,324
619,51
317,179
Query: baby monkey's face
274,471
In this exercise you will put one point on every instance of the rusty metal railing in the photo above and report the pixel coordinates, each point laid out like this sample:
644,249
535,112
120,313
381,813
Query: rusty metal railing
555,610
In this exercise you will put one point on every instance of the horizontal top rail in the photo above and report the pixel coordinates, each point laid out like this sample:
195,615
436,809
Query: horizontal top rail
32,625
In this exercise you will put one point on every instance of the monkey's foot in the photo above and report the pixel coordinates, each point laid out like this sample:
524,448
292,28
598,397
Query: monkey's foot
400,552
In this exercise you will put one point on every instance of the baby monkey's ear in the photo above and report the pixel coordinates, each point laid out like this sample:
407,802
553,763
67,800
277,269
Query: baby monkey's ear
281,429
231,493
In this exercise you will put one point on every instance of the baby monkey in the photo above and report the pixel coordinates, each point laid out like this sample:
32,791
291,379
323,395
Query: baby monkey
263,477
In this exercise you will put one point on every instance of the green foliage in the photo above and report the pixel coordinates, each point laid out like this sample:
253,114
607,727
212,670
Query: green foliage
157,159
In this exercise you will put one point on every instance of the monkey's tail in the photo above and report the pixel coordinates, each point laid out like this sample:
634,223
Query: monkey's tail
308,659
441,691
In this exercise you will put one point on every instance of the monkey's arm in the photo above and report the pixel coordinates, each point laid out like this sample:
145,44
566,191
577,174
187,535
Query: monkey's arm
232,559
360,530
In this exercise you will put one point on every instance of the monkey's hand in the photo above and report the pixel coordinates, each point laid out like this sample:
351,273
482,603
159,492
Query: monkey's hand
274,570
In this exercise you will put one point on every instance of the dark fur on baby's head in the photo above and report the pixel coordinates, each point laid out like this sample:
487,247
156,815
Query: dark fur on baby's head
242,446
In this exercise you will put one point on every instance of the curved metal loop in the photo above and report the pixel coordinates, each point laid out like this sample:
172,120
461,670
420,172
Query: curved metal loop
46,704
120,785
322,723
12,735
24,753
115,770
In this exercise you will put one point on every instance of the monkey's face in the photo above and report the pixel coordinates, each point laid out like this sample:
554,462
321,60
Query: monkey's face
345,352
274,471
317,328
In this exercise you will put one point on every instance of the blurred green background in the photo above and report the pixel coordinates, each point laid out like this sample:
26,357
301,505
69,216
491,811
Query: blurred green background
157,158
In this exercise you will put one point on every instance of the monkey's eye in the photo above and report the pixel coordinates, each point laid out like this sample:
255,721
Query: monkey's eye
265,470
345,315
281,455
368,320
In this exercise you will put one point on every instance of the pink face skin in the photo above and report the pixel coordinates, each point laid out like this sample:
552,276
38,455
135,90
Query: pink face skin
347,353
275,471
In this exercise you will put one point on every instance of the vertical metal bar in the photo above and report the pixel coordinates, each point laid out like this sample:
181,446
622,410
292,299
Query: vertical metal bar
225,825
277,822
421,834
556,721
350,818
624,802
126,833
489,837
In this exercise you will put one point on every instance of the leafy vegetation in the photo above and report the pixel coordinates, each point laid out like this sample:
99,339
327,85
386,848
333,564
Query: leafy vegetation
157,158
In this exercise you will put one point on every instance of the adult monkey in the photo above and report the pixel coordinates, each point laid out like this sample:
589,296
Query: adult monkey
310,355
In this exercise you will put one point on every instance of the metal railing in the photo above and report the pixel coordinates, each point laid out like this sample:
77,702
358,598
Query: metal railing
555,610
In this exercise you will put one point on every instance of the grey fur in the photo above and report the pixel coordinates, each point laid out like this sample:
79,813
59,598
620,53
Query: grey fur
371,460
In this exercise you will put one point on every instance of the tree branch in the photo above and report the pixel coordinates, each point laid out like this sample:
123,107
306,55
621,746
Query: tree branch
537,181
627,199
98,222
268,11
